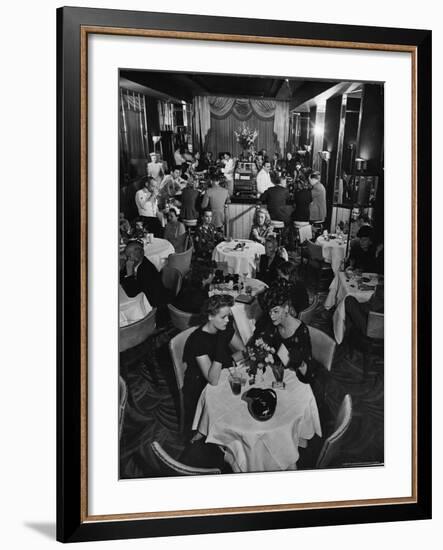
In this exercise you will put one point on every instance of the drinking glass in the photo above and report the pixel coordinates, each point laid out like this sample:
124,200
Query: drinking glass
235,382
278,370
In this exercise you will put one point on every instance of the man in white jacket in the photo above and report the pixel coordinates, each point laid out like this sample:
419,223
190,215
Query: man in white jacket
264,178
146,200
228,171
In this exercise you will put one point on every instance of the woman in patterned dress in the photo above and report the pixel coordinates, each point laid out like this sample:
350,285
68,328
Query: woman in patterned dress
261,226
284,332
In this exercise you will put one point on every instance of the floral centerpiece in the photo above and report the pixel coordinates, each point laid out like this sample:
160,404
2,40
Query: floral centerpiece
225,284
246,137
261,355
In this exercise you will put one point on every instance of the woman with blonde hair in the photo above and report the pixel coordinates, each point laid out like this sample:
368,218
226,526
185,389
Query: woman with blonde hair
207,352
261,226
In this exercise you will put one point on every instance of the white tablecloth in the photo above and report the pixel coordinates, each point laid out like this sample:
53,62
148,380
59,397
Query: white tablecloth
333,252
158,251
250,445
245,315
132,309
239,262
341,287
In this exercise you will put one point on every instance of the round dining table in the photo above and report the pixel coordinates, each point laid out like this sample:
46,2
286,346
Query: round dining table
241,261
251,445
333,250
157,252
347,284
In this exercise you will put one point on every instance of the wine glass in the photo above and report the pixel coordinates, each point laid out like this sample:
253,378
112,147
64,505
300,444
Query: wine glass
278,370
244,279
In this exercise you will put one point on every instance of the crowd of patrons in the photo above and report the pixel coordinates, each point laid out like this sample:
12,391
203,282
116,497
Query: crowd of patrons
285,189
166,199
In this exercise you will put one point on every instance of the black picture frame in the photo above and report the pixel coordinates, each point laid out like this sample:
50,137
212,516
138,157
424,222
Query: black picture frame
73,523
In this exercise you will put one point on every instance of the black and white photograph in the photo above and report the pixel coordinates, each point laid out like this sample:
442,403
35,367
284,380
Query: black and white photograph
251,274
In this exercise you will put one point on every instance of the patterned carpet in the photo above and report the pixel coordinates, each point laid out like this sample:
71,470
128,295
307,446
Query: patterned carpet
151,414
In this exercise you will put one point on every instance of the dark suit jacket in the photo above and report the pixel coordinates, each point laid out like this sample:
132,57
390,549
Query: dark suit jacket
191,299
268,272
363,259
189,208
147,280
302,202
289,166
276,199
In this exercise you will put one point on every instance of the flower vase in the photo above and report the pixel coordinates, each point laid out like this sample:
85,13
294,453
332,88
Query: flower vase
260,376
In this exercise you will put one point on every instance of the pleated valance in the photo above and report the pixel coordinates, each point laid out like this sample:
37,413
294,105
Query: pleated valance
242,109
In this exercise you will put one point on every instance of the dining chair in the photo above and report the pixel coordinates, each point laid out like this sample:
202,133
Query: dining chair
376,326
323,347
181,261
307,314
323,270
136,333
190,225
172,279
332,445
122,400
176,348
182,319
375,334
369,342
303,232
173,466
181,243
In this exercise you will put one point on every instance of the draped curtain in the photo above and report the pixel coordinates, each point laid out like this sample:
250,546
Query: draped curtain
202,121
166,115
134,135
209,110
281,123
221,137
132,125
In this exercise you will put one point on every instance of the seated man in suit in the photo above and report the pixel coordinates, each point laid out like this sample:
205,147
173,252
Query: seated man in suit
194,291
269,262
363,252
140,275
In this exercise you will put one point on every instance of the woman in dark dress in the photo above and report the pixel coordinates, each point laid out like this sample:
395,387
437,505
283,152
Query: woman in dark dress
207,352
283,328
286,330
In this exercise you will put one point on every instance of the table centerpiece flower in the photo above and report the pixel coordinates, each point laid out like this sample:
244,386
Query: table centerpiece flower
261,356
246,137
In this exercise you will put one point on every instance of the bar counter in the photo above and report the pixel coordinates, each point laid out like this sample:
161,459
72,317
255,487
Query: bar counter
239,216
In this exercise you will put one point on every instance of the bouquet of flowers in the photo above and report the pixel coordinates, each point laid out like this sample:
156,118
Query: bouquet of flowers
245,136
261,356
